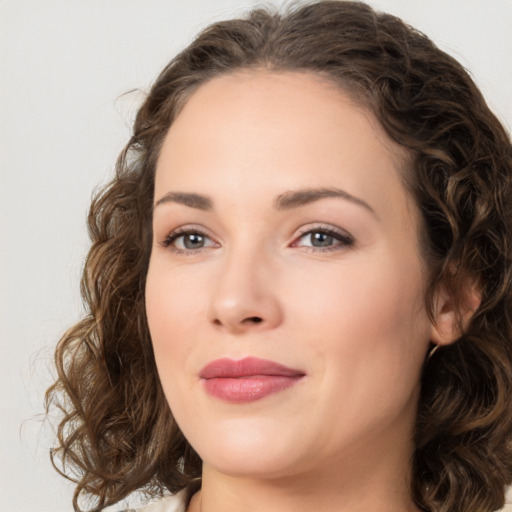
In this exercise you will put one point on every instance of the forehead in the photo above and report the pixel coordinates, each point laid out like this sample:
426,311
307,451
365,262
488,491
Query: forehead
259,98
278,131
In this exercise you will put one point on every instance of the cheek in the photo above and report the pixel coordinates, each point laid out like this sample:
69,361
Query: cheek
172,311
368,320
371,334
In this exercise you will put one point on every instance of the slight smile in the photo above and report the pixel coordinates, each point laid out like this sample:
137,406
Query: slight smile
248,379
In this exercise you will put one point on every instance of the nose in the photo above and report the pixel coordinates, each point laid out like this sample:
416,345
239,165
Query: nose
245,297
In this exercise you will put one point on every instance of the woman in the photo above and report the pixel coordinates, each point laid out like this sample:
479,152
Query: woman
299,283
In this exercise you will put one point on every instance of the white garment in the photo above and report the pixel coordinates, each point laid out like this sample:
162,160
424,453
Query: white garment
168,504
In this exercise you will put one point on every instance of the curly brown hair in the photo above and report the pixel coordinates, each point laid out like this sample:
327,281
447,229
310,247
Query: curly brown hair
117,434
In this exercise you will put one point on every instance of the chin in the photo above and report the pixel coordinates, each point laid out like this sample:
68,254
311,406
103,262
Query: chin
247,452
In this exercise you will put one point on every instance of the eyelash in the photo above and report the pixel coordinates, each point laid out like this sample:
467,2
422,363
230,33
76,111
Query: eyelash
178,233
344,240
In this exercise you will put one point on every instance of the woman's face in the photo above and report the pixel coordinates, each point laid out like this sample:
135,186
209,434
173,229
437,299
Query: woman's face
285,292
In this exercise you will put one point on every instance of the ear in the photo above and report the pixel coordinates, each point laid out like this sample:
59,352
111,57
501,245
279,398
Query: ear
454,311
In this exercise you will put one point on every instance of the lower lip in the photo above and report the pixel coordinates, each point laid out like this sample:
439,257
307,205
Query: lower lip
248,389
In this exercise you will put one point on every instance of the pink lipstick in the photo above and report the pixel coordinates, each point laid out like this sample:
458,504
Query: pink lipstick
248,379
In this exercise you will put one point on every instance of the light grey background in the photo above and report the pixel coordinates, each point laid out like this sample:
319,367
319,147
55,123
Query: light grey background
64,65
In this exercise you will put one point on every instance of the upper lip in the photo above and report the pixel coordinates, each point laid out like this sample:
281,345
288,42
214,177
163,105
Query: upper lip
247,367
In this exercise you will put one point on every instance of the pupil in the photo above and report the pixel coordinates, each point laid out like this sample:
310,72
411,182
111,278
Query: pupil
193,241
321,239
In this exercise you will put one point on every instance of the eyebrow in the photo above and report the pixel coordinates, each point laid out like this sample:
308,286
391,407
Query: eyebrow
197,201
296,198
285,201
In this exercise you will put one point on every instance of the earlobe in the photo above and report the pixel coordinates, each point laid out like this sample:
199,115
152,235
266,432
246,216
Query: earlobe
452,316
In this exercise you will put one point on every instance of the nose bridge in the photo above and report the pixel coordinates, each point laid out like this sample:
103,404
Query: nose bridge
245,295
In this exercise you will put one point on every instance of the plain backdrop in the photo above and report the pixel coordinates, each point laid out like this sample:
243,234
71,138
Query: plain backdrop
64,68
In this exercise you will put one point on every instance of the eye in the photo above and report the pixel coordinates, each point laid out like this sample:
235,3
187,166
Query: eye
187,241
324,239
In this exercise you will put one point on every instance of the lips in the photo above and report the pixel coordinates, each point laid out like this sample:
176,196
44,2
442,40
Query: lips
248,379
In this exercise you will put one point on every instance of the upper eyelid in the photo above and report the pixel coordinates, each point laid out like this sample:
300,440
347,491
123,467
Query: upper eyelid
185,229
301,231
323,227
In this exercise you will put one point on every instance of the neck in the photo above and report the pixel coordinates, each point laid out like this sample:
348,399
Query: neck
361,484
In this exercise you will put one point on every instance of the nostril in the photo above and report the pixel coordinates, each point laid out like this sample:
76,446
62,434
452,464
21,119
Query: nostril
252,319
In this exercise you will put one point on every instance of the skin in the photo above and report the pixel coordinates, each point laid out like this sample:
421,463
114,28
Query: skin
349,314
